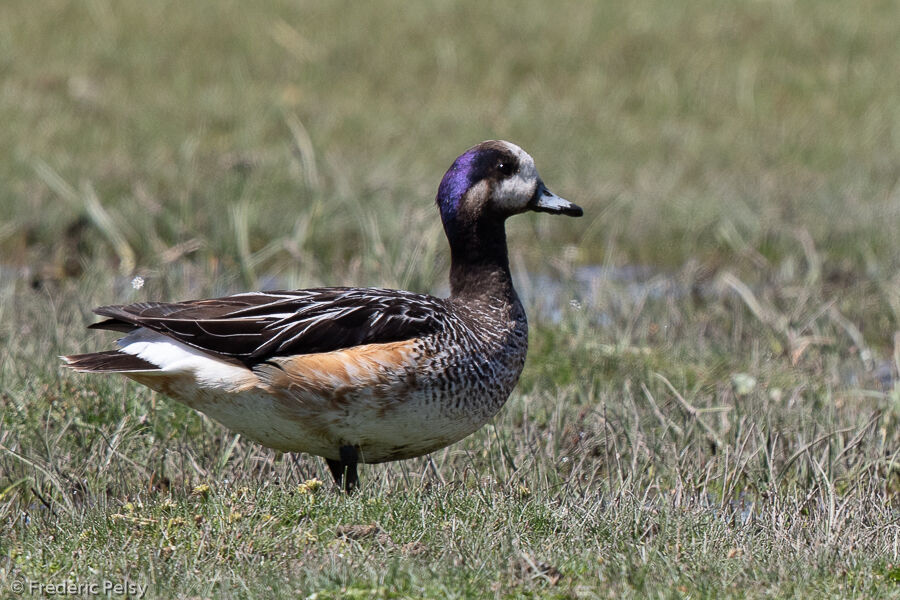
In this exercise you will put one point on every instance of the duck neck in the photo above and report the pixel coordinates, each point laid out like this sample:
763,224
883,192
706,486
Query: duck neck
479,264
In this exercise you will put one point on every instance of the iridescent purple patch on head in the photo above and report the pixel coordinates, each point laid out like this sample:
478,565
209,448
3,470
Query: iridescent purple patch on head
454,185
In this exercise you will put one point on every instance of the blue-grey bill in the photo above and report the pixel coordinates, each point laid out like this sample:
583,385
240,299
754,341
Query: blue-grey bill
546,201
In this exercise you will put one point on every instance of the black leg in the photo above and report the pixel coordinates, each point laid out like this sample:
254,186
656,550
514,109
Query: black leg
349,458
347,465
337,471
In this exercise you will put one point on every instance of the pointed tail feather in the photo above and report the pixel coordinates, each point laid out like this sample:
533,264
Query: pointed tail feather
107,362
113,325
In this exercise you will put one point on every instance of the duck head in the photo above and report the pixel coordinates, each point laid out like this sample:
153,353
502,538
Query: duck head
485,185
492,181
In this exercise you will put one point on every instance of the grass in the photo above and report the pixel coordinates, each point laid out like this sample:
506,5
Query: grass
716,416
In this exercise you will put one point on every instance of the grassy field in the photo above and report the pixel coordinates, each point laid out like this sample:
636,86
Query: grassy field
709,406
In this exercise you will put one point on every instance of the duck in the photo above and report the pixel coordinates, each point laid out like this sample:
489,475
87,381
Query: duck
354,375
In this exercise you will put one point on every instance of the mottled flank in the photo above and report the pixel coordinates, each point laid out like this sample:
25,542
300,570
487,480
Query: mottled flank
355,374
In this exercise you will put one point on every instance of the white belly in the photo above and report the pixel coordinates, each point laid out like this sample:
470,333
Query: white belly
410,426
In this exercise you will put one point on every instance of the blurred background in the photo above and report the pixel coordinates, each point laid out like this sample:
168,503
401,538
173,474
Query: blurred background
301,143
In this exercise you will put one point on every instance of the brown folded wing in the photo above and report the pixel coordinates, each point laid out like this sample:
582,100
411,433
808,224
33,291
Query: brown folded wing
256,327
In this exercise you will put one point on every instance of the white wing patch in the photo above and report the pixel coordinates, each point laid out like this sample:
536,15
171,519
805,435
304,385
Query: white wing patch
173,357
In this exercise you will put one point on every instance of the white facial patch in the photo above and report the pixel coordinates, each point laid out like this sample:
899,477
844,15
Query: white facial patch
514,192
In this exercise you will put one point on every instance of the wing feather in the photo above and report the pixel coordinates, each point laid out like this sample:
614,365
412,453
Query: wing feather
258,326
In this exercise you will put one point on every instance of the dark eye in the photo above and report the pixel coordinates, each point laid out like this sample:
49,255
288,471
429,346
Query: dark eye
506,168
